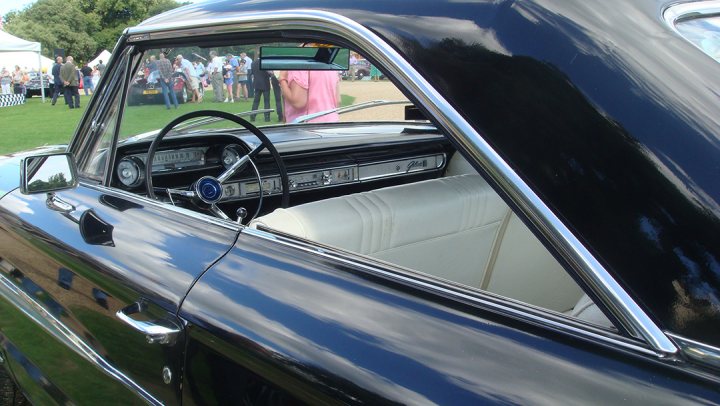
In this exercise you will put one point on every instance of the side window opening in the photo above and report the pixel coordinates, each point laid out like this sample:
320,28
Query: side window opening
454,227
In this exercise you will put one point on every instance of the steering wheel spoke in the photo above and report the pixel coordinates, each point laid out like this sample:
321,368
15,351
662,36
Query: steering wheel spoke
208,189
239,165
189,194
219,213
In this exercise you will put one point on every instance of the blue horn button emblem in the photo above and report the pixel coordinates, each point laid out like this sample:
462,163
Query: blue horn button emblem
209,190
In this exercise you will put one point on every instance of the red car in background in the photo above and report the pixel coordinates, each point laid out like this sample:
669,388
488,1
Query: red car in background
145,91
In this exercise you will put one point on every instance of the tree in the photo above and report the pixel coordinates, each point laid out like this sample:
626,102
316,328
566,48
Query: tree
56,24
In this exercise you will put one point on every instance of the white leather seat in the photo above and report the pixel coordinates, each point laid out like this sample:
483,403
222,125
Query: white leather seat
587,310
445,227
455,227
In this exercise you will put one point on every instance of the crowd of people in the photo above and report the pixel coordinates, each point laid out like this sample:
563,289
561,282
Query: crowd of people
65,78
14,82
235,78
232,78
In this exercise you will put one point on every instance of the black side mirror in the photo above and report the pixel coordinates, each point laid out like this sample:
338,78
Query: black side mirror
48,173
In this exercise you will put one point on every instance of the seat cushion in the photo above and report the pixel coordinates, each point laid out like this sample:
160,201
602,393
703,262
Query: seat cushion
456,228
445,227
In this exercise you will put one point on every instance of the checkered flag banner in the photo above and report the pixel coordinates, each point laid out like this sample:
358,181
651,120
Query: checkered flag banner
7,100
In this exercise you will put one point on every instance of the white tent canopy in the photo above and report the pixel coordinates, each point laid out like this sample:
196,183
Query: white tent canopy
104,56
25,60
11,43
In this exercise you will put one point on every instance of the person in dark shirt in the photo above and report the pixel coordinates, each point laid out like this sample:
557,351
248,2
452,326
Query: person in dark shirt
262,89
165,72
58,86
87,78
69,76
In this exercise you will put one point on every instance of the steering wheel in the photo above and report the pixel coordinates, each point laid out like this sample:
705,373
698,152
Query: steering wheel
209,189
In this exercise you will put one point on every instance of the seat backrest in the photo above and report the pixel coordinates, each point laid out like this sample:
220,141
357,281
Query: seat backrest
445,227
455,227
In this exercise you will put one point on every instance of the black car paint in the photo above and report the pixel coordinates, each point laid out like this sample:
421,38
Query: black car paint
601,108
325,331
150,255
586,125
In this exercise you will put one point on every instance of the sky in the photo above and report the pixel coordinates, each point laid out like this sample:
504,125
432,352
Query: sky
9,5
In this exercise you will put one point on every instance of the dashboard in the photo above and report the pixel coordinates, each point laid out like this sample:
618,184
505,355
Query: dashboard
317,160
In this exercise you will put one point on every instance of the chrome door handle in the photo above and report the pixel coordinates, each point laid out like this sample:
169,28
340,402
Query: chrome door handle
160,331
57,204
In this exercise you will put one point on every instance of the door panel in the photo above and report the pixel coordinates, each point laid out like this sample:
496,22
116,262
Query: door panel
68,263
320,330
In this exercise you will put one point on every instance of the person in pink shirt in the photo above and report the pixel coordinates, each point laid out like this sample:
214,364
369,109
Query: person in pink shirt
306,92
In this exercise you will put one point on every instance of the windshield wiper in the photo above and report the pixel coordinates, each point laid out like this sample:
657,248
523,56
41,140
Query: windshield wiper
347,109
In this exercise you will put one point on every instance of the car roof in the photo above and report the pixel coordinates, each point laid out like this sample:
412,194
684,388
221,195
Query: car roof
601,107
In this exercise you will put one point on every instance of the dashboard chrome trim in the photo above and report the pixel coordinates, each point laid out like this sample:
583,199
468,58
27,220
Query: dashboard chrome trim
632,318
271,184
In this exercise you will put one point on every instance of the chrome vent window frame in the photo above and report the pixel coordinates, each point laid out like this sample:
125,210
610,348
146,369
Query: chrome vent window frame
682,12
697,351
628,313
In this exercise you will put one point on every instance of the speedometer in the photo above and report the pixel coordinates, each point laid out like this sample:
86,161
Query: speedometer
131,171
230,155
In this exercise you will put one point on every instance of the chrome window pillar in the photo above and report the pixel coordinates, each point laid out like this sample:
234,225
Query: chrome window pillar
632,317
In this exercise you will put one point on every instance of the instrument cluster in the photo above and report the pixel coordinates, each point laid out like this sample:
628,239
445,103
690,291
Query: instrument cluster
131,168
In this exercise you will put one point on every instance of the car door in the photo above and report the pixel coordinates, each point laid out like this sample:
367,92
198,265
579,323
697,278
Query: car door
283,322
72,264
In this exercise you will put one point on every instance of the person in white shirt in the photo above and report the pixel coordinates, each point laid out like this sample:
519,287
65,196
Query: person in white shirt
248,66
191,74
214,71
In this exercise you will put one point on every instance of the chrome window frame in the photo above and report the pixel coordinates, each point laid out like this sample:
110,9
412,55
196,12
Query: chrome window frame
689,11
637,323
696,9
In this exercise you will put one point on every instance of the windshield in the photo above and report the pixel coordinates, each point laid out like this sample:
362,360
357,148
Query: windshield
169,82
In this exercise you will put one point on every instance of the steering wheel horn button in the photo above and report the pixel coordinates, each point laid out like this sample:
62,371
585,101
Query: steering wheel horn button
209,189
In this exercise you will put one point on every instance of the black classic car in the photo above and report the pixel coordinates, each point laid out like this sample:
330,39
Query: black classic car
528,215
34,87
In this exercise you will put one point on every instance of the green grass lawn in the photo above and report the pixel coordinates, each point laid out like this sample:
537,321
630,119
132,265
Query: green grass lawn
35,123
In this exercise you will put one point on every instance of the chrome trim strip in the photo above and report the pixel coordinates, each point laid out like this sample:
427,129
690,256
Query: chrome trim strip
357,169
697,351
57,329
502,305
697,9
629,314
376,170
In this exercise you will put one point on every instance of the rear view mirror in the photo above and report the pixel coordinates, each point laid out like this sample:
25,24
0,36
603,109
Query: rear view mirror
47,173
304,58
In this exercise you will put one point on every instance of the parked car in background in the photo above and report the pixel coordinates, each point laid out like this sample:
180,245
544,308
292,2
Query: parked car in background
144,91
362,68
33,86
529,214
